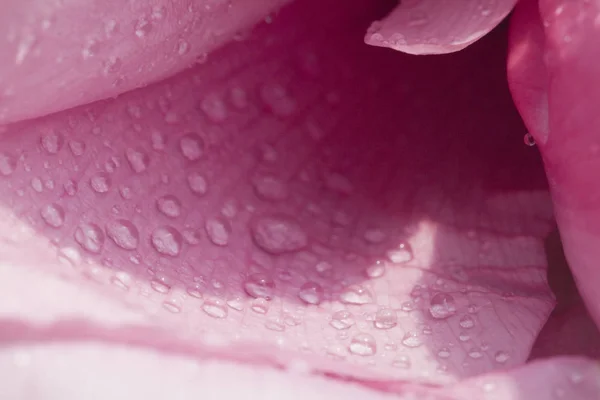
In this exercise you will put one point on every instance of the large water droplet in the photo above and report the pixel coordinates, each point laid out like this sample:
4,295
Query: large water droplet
191,146
169,205
385,318
270,188
218,231
90,237
53,215
123,233
278,234
402,254
7,164
311,293
259,286
356,294
442,306
167,240
363,344
100,182
412,339
342,320
138,160
52,142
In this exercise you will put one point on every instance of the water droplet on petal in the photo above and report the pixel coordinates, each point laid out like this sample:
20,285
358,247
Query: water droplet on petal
529,140
444,352
342,320
260,306
375,270
167,240
90,237
160,286
278,234
466,322
275,325
143,27
214,108
122,280
402,362
52,142
183,47
374,236
169,205
356,294
69,256
363,344
77,147
385,318
100,182
401,254
172,306
270,188
311,293
501,357
442,306
138,160
278,100
218,231
7,164
475,353
259,286
197,183
411,340
191,146
53,215
123,233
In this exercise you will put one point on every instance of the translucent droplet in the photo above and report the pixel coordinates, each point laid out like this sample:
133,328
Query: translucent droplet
191,146
400,255
218,231
167,240
260,306
69,256
112,65
123,233
259,286
77,147
270,188
214,108
138,160
501,357
275,325
278,234
7,164
475,353
323,268
442,306
311,293
463,336
385,318
90,237
70,187
411,340
236,303
100,182
53,215
342,320
52,142
169,205
37,184
172,306
143,28
183,47
402,362
374,236
444,352
122,280
197,183
375,270
466,322
160,286
356,294
529,140
363,344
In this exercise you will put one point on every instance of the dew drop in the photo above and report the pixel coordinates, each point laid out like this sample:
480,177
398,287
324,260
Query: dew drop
77,147
214,108
183,47
90,237
169,205
138,160
172,306
385,318
501,357
278,100
402,362
70,187
356,294
400,255
197,183
442,306
69,256
52,142
259,286
167,240
112,65
275,325
236,303
121,280
374,236
7,164
529,140
311,293
143,28
342,320
36,184
270,188
218,231
323,268
463,336
278,234
444,352
363,344
475,353
239,98
100,182
260,306
160,286
375,270
123,233
466,322
412,340
191,146
53,215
